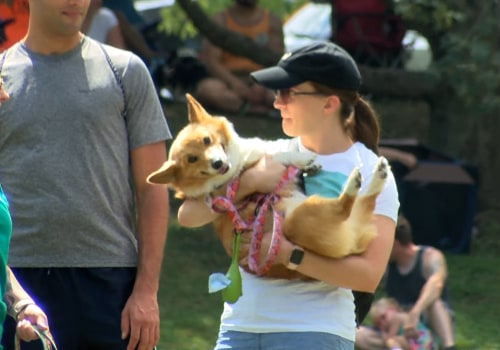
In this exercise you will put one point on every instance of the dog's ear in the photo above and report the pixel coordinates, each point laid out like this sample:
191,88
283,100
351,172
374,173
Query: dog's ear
166,174
196,112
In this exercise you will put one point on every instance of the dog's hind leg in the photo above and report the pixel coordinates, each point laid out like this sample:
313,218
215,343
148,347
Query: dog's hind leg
365,203
320,224
364,206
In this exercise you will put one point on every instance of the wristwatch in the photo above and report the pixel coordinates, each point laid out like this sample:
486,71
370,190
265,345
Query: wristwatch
295,258
19,307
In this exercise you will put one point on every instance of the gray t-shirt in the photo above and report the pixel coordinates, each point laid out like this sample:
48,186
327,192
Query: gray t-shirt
65,154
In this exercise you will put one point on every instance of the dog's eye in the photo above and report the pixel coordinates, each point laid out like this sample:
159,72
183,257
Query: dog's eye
206,141
192,159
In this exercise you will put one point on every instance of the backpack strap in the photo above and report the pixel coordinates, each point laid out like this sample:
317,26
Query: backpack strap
117,78
2,60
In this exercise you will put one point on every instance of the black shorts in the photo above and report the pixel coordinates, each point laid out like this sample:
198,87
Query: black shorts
83,306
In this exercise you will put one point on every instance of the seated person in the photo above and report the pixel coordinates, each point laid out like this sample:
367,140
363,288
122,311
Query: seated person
229,87
15,18
388,319
416,279
102,25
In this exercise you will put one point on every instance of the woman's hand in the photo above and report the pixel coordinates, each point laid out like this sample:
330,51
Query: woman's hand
284,251
263,177
31,315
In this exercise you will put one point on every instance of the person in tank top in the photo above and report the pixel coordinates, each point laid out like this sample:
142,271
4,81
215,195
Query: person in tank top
416,278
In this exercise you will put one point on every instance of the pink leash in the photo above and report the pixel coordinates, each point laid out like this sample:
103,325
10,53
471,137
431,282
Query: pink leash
256,223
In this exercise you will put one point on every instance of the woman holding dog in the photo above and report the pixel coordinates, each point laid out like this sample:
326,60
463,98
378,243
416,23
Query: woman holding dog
317,92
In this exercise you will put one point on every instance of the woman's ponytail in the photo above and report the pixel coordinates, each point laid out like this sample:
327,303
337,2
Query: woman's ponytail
366,127
357,116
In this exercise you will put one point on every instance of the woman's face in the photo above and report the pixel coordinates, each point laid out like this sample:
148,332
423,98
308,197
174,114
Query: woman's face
301,109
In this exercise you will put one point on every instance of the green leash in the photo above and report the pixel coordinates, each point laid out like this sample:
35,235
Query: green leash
232,292
229,283
45,337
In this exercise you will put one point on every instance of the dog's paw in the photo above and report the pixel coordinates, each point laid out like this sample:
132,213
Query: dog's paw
353,183
380,173
312,169
299,159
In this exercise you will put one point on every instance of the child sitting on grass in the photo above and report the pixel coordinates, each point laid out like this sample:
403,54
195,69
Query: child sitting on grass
388,318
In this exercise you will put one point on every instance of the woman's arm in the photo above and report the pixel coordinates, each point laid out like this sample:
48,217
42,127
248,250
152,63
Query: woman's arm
262,177
358,272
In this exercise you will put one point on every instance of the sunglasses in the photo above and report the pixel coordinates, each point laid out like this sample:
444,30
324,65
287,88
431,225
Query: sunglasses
285,94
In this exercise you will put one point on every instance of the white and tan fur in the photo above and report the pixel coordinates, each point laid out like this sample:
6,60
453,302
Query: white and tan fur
208,153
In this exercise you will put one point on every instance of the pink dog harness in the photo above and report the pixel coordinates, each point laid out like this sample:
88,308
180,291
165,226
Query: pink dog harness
255,223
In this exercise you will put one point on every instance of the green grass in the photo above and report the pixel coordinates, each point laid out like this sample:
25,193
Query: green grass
190,316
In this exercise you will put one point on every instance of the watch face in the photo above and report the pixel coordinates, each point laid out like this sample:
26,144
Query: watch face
296,256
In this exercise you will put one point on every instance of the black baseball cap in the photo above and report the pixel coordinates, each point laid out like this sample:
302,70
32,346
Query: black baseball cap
325,63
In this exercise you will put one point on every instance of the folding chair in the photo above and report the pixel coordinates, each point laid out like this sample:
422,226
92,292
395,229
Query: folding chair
369,31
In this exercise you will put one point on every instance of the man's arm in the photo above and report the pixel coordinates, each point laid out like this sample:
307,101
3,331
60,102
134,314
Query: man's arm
435,271
261,177
140,317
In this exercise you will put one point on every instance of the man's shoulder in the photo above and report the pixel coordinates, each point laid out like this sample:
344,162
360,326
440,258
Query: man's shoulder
113,52
119,58
432,257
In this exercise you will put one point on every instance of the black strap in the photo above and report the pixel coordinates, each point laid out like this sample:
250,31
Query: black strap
117,78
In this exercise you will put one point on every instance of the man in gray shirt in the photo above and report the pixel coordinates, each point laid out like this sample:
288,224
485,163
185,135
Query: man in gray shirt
80,134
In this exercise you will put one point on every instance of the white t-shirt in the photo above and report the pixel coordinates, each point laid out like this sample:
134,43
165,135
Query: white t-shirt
277,305
102,22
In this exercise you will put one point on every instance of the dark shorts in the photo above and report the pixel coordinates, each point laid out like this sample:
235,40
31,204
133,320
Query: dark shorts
83,305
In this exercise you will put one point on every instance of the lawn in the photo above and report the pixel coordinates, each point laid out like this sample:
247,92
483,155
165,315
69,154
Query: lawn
190,316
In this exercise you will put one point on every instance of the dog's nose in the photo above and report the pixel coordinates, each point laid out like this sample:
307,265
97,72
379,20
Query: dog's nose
217,164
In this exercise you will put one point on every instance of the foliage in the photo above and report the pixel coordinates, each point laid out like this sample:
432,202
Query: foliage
175,22
467,38
436,15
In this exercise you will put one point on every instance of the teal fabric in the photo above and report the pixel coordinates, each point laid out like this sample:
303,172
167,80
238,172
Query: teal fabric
5,232
325,183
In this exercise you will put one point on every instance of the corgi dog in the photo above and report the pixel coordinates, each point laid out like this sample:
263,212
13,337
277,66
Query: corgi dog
207,154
